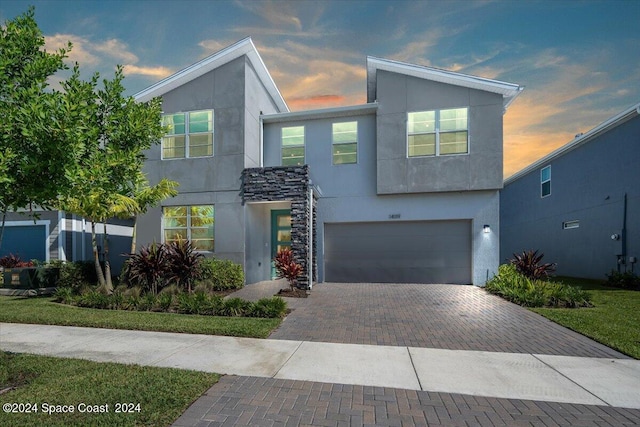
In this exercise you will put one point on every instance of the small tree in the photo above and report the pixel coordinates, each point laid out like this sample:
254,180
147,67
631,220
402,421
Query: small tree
287,267
36,145
107,176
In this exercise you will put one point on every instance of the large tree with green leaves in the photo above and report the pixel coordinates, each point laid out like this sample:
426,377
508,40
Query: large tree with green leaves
37,143
107,179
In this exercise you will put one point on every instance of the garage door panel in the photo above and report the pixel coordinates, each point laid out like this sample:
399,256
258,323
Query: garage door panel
402,252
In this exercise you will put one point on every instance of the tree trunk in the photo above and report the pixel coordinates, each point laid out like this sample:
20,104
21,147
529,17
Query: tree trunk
133,236
107,265
4,216
96,257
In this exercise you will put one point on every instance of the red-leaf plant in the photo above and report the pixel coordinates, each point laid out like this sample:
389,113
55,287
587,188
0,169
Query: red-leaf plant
286,267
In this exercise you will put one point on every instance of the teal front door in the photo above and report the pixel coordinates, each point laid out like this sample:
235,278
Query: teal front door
280,234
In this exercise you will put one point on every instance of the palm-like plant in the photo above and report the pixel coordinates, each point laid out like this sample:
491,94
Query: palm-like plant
287,267
149,267
528,264
183,263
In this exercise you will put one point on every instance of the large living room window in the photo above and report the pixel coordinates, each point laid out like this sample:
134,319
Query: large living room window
193,223
190,135
293,146
545,181
438,132
345,143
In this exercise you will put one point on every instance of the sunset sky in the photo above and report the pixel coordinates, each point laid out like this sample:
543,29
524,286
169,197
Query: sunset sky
578,60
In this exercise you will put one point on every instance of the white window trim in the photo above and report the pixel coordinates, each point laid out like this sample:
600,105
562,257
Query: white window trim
437,133
543,182
188,227
304,143
357,142
186,136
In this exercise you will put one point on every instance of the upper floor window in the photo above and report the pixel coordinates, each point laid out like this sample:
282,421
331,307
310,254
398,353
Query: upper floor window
438,132
345,143
193,223
545,181
293,146
190,135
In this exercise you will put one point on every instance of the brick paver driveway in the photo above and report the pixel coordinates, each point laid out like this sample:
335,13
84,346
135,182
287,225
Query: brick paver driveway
438,316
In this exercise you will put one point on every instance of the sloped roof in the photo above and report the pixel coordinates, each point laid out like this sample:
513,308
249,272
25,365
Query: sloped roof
224,56
509,91
580,140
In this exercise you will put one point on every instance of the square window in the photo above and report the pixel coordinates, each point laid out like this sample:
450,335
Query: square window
189,135
193,223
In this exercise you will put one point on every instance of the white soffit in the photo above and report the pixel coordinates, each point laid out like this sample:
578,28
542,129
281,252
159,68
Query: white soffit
509,91
224,56
579,140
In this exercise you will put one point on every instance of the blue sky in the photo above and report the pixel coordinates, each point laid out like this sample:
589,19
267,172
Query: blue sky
578,60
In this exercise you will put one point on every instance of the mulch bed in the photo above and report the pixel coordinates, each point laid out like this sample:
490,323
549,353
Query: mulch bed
295,293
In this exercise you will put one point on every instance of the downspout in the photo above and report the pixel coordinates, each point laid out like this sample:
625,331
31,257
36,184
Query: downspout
624,233
261,137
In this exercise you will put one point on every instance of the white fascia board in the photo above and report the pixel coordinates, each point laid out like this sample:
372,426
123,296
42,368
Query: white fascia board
351,110
603,127
228,54
509,91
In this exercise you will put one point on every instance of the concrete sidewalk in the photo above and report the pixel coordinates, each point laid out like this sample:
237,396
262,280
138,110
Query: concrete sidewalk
576,380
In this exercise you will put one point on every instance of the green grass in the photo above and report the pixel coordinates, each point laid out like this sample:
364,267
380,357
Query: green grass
163,394
613,321
45,311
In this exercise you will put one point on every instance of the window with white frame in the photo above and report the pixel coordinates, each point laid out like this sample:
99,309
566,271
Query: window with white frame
193,223
190,135
345,143
567,225
545,181
438,132
293,146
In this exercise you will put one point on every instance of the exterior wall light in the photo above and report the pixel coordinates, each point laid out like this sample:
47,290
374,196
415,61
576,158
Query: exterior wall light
486,228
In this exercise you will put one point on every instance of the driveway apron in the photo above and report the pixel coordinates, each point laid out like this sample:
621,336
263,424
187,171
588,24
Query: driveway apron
450,317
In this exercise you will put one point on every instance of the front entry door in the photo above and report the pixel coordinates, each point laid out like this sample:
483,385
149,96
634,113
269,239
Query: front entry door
280,234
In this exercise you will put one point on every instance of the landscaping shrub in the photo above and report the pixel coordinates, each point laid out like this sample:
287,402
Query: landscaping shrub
65,295
528,263
221,275
516,287
183,263
14,261
148,268
77,275
235,307
626,280
287,267
269,307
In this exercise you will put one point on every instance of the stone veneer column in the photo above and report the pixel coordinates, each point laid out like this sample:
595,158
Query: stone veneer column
286,183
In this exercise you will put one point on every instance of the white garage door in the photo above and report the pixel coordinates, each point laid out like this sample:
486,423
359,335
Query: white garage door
398,252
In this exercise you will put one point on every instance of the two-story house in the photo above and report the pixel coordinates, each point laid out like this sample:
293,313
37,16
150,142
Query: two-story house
580,204
404,188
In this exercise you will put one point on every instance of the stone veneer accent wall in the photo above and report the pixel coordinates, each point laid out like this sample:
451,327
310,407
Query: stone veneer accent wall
286,183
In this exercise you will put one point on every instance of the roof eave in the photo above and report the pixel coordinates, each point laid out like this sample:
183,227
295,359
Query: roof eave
236,50
603,127
509,91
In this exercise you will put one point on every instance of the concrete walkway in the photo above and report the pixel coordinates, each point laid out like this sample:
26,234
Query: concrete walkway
550,378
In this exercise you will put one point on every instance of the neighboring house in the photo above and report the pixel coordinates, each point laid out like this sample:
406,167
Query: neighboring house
580,205
57,235
404,188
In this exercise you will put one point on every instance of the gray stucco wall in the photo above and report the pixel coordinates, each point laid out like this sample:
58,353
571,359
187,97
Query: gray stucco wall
587,184
237,97
349,194
480,169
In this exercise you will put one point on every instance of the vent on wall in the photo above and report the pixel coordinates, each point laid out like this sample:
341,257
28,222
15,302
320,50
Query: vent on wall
566,225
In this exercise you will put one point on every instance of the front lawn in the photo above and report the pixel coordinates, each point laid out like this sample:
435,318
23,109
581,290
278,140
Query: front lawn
45,311
613,320
149,396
